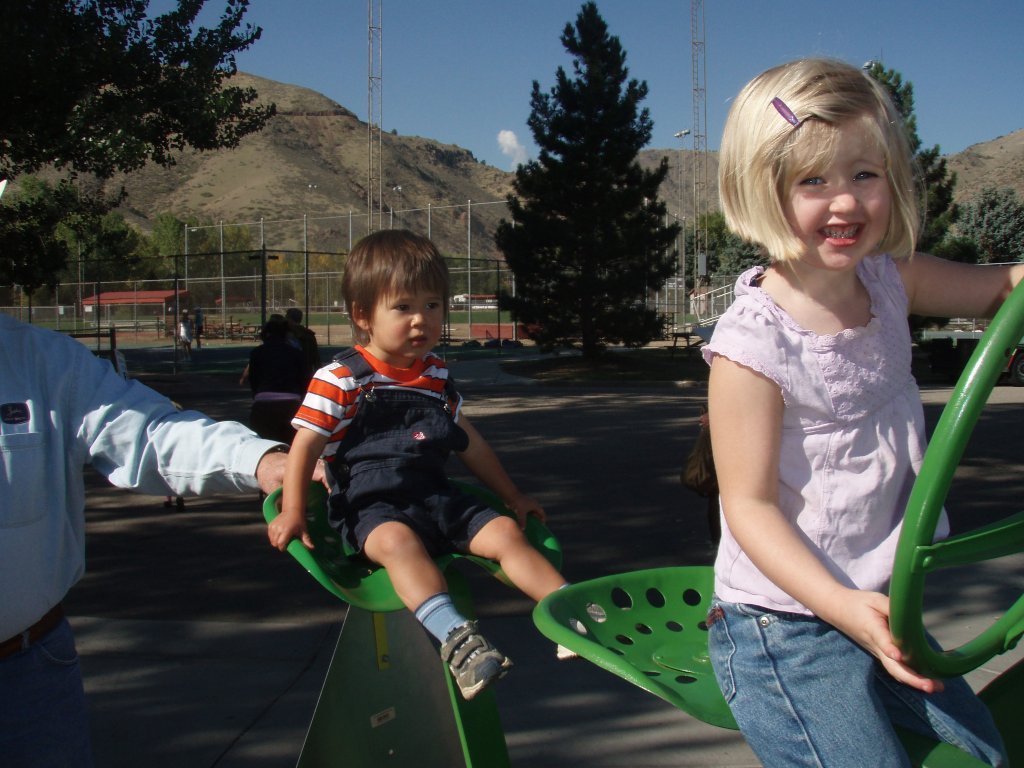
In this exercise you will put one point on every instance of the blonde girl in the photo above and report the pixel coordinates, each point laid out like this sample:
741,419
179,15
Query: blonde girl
817,424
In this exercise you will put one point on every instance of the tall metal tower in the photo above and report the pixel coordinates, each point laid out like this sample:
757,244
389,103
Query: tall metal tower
700,143
374,116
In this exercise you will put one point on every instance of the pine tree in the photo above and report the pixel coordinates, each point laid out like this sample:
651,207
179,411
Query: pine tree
939,182
587,242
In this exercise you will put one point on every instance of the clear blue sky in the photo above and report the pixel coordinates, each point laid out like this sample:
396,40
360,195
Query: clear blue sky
461,71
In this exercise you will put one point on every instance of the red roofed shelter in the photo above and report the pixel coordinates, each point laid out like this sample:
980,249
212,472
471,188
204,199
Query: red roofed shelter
156,304
164,298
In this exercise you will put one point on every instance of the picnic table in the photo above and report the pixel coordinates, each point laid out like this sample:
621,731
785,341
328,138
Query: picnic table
691,340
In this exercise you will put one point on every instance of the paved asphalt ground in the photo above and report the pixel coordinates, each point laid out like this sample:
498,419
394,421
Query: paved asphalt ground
201,646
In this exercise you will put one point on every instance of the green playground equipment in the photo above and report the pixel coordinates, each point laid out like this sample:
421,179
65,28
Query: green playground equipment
388,699
649,626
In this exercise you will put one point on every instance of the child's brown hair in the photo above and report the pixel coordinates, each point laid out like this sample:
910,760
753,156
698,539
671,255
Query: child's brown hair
387,263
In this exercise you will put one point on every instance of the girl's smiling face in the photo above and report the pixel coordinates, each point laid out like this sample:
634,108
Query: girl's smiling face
840,211
404,327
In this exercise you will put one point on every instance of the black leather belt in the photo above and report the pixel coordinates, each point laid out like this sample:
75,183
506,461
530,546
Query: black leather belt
36,632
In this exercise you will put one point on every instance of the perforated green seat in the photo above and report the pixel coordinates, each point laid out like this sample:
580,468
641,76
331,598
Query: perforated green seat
357,582
648,627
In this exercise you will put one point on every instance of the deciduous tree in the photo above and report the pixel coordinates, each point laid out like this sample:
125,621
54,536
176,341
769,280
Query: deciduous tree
99,87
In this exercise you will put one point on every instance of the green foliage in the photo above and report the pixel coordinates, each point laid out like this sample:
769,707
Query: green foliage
207,243
994,221
98,87
168,235
586,242
40,229
938,181
960,249
729,254
939,210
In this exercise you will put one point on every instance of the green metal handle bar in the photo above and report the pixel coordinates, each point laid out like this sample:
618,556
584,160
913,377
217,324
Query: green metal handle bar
917,554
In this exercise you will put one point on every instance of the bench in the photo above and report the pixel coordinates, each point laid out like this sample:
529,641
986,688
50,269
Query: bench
691,340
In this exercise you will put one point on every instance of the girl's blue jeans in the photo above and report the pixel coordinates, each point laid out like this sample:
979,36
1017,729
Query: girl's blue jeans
804,694
43,718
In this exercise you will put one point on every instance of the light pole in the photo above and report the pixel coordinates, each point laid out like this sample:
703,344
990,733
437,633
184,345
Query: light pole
682,251
398,190
223,287
187,230
186,257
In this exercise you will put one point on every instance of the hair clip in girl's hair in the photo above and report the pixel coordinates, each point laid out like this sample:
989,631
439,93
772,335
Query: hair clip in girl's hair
786,112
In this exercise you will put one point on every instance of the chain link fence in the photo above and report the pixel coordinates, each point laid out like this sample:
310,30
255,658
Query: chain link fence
237,279
234,304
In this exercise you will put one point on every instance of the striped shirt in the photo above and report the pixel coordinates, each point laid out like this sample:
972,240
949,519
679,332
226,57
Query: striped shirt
333,395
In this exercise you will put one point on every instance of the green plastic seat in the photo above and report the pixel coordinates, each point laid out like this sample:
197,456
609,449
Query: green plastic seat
384,655
648,627
365,586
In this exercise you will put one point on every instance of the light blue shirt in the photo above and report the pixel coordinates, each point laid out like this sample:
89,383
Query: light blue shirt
62,408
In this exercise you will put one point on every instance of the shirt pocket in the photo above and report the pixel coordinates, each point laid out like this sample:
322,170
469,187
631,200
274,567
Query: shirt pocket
23,471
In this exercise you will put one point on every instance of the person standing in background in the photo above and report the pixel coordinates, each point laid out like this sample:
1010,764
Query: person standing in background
304,338
185,334
278,376
198,322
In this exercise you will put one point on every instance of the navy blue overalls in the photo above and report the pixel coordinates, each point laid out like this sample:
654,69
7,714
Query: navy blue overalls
390,466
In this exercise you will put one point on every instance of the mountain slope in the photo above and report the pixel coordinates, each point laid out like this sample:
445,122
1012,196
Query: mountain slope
305,178
312,160
996,163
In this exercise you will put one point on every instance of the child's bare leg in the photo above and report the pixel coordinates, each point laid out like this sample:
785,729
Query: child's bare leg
474,662
502,540
414,575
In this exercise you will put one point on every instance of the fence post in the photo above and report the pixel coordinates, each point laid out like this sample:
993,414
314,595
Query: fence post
174,320
263,286
305,265
497,290
99,287
263,276
223,289
515,320
469,266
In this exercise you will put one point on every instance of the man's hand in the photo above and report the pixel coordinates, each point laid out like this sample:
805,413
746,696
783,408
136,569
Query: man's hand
270,471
